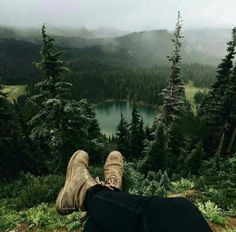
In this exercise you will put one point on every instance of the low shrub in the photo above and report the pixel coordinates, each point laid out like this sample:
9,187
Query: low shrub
28,190
154,184
43,217
230,230
182,185
212,212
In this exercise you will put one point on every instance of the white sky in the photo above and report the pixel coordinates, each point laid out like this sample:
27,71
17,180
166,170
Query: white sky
119,14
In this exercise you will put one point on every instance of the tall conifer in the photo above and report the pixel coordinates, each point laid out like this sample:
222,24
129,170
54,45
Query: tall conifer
174,96
123,137
61,124
136,133
217,108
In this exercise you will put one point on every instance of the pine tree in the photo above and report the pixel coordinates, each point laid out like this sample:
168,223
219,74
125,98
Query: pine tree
136,133
165,146
11,145
165,182
231,97
148,132
123,137
156,152
95,141
60,124
194,159
216,108
173,95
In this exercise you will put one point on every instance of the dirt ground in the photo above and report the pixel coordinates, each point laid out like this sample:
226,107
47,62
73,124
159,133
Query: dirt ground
231,224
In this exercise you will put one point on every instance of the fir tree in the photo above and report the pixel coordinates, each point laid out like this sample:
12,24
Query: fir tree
95,141
156,152
166,141
165,182
148,133
60,124
136,133
231,97
123,137
173,103
194,159
11,144
217,107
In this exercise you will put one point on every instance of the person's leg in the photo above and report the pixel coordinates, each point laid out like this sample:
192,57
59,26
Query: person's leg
116,211
173,214
91,226
112,210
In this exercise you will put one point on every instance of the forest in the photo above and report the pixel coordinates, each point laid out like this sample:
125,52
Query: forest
183,153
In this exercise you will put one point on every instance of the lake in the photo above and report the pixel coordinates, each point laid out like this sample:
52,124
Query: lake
108,114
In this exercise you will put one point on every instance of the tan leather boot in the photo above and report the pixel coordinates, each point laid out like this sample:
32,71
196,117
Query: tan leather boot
78,181
114,170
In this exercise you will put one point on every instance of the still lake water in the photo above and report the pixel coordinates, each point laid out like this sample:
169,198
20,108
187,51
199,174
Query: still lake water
108,114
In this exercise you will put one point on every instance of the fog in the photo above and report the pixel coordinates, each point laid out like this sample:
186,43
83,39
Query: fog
126,15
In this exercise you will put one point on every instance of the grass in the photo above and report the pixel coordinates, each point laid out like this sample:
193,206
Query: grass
190,91
28,202
42,217
13,91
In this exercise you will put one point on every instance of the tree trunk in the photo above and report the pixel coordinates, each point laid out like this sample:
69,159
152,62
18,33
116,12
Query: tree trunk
232,141
219,149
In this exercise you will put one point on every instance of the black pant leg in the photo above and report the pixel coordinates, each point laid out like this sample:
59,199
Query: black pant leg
114,211
90,226
173,214
120,212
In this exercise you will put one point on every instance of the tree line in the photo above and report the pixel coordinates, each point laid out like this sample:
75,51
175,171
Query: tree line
98,75
41,130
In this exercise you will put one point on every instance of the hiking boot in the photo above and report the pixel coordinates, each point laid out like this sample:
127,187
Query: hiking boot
78,181
114,170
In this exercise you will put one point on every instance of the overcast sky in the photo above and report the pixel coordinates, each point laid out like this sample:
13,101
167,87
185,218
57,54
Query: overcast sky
128,15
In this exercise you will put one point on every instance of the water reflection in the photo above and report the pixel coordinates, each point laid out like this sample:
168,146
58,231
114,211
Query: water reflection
108,114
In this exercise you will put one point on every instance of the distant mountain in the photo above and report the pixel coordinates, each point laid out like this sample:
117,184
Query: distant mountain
205,46
19,48
148,47
209,41
29,33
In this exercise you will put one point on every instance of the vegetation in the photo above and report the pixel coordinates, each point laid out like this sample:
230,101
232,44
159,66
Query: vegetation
184,153
14,91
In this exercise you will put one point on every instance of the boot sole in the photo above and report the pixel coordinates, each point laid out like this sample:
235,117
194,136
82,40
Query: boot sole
59,208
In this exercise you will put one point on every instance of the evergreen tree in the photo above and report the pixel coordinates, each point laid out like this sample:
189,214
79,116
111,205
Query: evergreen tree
60,124
95,141
193,160
173,103
231,100
136,133
11,144
217,107
123,137
94,131
165,182
166,144
147,133
156,152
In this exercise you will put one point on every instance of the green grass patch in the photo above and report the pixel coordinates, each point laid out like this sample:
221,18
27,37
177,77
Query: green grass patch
190,91
14,91
39,218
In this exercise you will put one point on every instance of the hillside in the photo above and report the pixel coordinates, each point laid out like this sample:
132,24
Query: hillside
136,50
147,47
